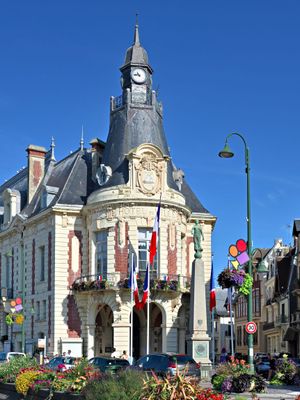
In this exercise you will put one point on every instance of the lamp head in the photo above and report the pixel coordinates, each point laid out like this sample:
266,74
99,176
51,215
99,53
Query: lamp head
226,152
262,268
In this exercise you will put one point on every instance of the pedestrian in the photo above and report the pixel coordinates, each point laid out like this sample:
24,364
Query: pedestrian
124,356
223,356
272,369
115,353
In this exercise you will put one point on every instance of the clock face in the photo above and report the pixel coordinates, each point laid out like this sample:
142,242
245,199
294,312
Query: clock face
138,75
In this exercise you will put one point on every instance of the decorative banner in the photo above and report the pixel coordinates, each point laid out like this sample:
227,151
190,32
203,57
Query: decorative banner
19,307
18,300
238,251
13,303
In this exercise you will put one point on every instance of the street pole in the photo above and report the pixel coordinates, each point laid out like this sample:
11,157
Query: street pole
23,294
227,153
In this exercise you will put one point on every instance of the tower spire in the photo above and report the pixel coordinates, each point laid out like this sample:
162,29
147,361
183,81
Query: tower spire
136,40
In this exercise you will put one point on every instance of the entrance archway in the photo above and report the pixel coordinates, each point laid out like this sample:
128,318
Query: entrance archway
104,331
140,330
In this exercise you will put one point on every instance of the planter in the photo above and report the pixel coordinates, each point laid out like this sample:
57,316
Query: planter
9,390
39,395
67,396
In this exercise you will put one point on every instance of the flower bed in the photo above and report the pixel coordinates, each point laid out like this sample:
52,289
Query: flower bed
285,372
235,377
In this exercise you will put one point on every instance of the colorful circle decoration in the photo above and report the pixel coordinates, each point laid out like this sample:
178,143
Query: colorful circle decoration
239,252
18,301
13,303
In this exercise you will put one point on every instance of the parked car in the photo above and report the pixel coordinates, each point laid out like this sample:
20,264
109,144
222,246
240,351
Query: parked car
61,363
167,364
262,366
109,365
297,362
259,355
6,357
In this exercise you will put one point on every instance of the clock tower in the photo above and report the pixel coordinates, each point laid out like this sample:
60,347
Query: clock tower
136,79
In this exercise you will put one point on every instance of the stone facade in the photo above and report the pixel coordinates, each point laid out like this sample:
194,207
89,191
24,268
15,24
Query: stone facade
67,250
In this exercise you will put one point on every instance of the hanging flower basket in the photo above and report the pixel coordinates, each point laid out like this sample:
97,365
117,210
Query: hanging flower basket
229,278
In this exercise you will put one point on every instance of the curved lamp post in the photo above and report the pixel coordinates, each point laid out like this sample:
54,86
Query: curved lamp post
227,153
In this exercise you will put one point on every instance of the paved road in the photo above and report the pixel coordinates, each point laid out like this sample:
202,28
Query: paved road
272,392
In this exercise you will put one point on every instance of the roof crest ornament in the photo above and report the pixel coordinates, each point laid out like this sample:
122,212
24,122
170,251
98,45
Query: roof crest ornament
52,158
81,140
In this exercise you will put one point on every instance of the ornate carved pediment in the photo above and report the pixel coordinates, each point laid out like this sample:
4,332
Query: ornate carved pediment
147,167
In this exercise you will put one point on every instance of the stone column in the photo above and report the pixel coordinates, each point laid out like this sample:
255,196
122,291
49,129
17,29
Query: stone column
198,344
90,341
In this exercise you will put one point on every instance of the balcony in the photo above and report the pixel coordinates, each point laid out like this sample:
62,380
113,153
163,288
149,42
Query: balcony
119,281
281,319
268,325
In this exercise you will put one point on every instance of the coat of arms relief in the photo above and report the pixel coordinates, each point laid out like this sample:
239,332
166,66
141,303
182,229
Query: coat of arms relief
147,166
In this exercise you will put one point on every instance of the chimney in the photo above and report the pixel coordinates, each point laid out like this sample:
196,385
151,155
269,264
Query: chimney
97,152
36,168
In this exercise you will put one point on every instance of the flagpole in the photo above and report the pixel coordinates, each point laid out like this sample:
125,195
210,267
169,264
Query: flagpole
213,336
148,312
131,306
231,324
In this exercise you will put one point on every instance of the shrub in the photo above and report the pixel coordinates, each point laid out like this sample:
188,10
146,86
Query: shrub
217,381
127,385
10,370
177,387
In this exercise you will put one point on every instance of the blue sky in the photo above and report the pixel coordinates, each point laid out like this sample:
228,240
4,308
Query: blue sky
220,66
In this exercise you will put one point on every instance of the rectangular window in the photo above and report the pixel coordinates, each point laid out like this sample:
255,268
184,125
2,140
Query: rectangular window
38,311
42,263
101,253
144,236
7,272
244,336
255,338
239,336
44,310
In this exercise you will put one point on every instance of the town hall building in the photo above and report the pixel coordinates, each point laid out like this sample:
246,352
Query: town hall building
70,230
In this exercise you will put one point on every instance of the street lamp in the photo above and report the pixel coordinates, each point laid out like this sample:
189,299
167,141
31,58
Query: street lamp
227,153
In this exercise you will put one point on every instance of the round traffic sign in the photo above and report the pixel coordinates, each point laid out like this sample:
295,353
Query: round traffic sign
251,327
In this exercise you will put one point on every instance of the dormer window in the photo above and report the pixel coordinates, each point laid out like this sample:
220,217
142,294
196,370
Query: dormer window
12,204
48,194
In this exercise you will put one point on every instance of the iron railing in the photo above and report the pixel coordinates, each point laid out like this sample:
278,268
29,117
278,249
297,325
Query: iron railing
118,280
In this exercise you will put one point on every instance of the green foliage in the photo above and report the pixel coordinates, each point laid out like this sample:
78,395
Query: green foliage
10,370
247,285
126,386
217,381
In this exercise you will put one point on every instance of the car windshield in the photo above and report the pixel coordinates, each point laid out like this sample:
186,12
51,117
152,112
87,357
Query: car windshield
183,359
264,359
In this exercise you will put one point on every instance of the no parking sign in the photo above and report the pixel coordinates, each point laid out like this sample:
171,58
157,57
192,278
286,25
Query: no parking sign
251,327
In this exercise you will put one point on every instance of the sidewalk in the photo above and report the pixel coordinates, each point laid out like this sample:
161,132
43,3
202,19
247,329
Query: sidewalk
272,392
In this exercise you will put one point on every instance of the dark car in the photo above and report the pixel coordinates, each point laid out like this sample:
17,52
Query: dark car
61,363
110,365
168,364
262,366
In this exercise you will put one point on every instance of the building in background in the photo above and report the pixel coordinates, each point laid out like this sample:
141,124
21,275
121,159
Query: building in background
71,228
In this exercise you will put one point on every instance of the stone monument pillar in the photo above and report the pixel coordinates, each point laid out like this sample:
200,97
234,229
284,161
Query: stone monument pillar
198,343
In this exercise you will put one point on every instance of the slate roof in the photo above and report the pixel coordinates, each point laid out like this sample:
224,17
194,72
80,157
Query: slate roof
130,126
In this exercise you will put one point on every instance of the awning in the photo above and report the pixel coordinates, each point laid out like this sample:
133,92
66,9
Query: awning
290,334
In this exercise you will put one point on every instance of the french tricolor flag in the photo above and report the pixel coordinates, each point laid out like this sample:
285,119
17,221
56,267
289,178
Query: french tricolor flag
133,283
146,287
154,237
212,302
